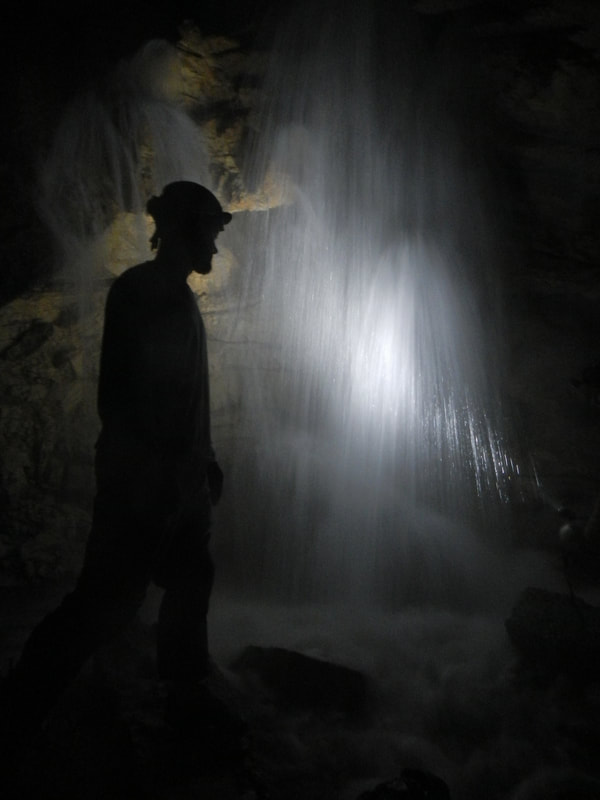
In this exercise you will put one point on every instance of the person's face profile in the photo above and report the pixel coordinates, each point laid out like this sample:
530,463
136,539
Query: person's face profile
200,241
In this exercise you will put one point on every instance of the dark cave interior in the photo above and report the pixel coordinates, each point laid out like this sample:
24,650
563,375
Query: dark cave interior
478,706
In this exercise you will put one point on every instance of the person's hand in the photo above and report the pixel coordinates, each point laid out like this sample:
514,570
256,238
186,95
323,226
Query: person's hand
214,474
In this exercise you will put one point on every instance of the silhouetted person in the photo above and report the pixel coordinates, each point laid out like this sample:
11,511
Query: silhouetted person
156,477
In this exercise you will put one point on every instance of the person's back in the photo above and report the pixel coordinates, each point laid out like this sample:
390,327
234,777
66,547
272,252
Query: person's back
153,386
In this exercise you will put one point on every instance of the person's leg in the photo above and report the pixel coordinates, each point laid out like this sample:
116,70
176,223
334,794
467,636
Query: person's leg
61,644
182,643
106,598
197,696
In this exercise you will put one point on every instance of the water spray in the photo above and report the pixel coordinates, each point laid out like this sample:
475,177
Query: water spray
381,449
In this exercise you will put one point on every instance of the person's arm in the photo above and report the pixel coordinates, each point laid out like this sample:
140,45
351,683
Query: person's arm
214,475
117,385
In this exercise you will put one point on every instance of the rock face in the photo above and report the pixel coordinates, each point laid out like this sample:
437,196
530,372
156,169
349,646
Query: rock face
542,65
298,681
538,66
556,633
47,430
411,785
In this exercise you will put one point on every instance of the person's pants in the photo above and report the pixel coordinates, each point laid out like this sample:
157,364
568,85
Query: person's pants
144,530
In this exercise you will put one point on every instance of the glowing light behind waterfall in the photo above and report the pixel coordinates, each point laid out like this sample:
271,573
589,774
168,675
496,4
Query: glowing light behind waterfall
380,438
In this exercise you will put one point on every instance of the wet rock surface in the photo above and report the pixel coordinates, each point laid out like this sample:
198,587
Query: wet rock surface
411,785
296,680
557,633
108,737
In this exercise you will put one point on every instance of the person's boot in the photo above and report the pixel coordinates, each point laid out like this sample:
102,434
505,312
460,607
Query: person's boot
21,723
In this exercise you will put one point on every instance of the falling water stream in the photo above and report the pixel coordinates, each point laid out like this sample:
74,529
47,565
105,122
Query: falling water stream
118,142
375,468
381,468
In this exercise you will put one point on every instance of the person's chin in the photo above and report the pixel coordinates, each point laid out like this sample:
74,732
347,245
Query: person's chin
203,269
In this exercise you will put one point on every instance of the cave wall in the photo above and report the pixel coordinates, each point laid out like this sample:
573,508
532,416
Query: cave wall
542,68
539,69
51,326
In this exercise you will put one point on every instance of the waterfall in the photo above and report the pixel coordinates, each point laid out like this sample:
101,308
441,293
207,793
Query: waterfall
379,465
116,144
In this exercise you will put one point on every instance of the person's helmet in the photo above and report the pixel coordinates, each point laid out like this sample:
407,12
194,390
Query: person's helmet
183,204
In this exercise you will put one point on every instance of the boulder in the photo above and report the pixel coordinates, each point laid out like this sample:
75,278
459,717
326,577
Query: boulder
299,681
556,632
413,784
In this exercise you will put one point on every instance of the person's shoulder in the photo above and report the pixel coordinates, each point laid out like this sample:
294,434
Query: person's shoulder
135,281
140,274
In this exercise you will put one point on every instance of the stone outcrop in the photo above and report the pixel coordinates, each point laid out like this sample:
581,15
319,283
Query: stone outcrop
296,680
556,633
411,785
47,429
